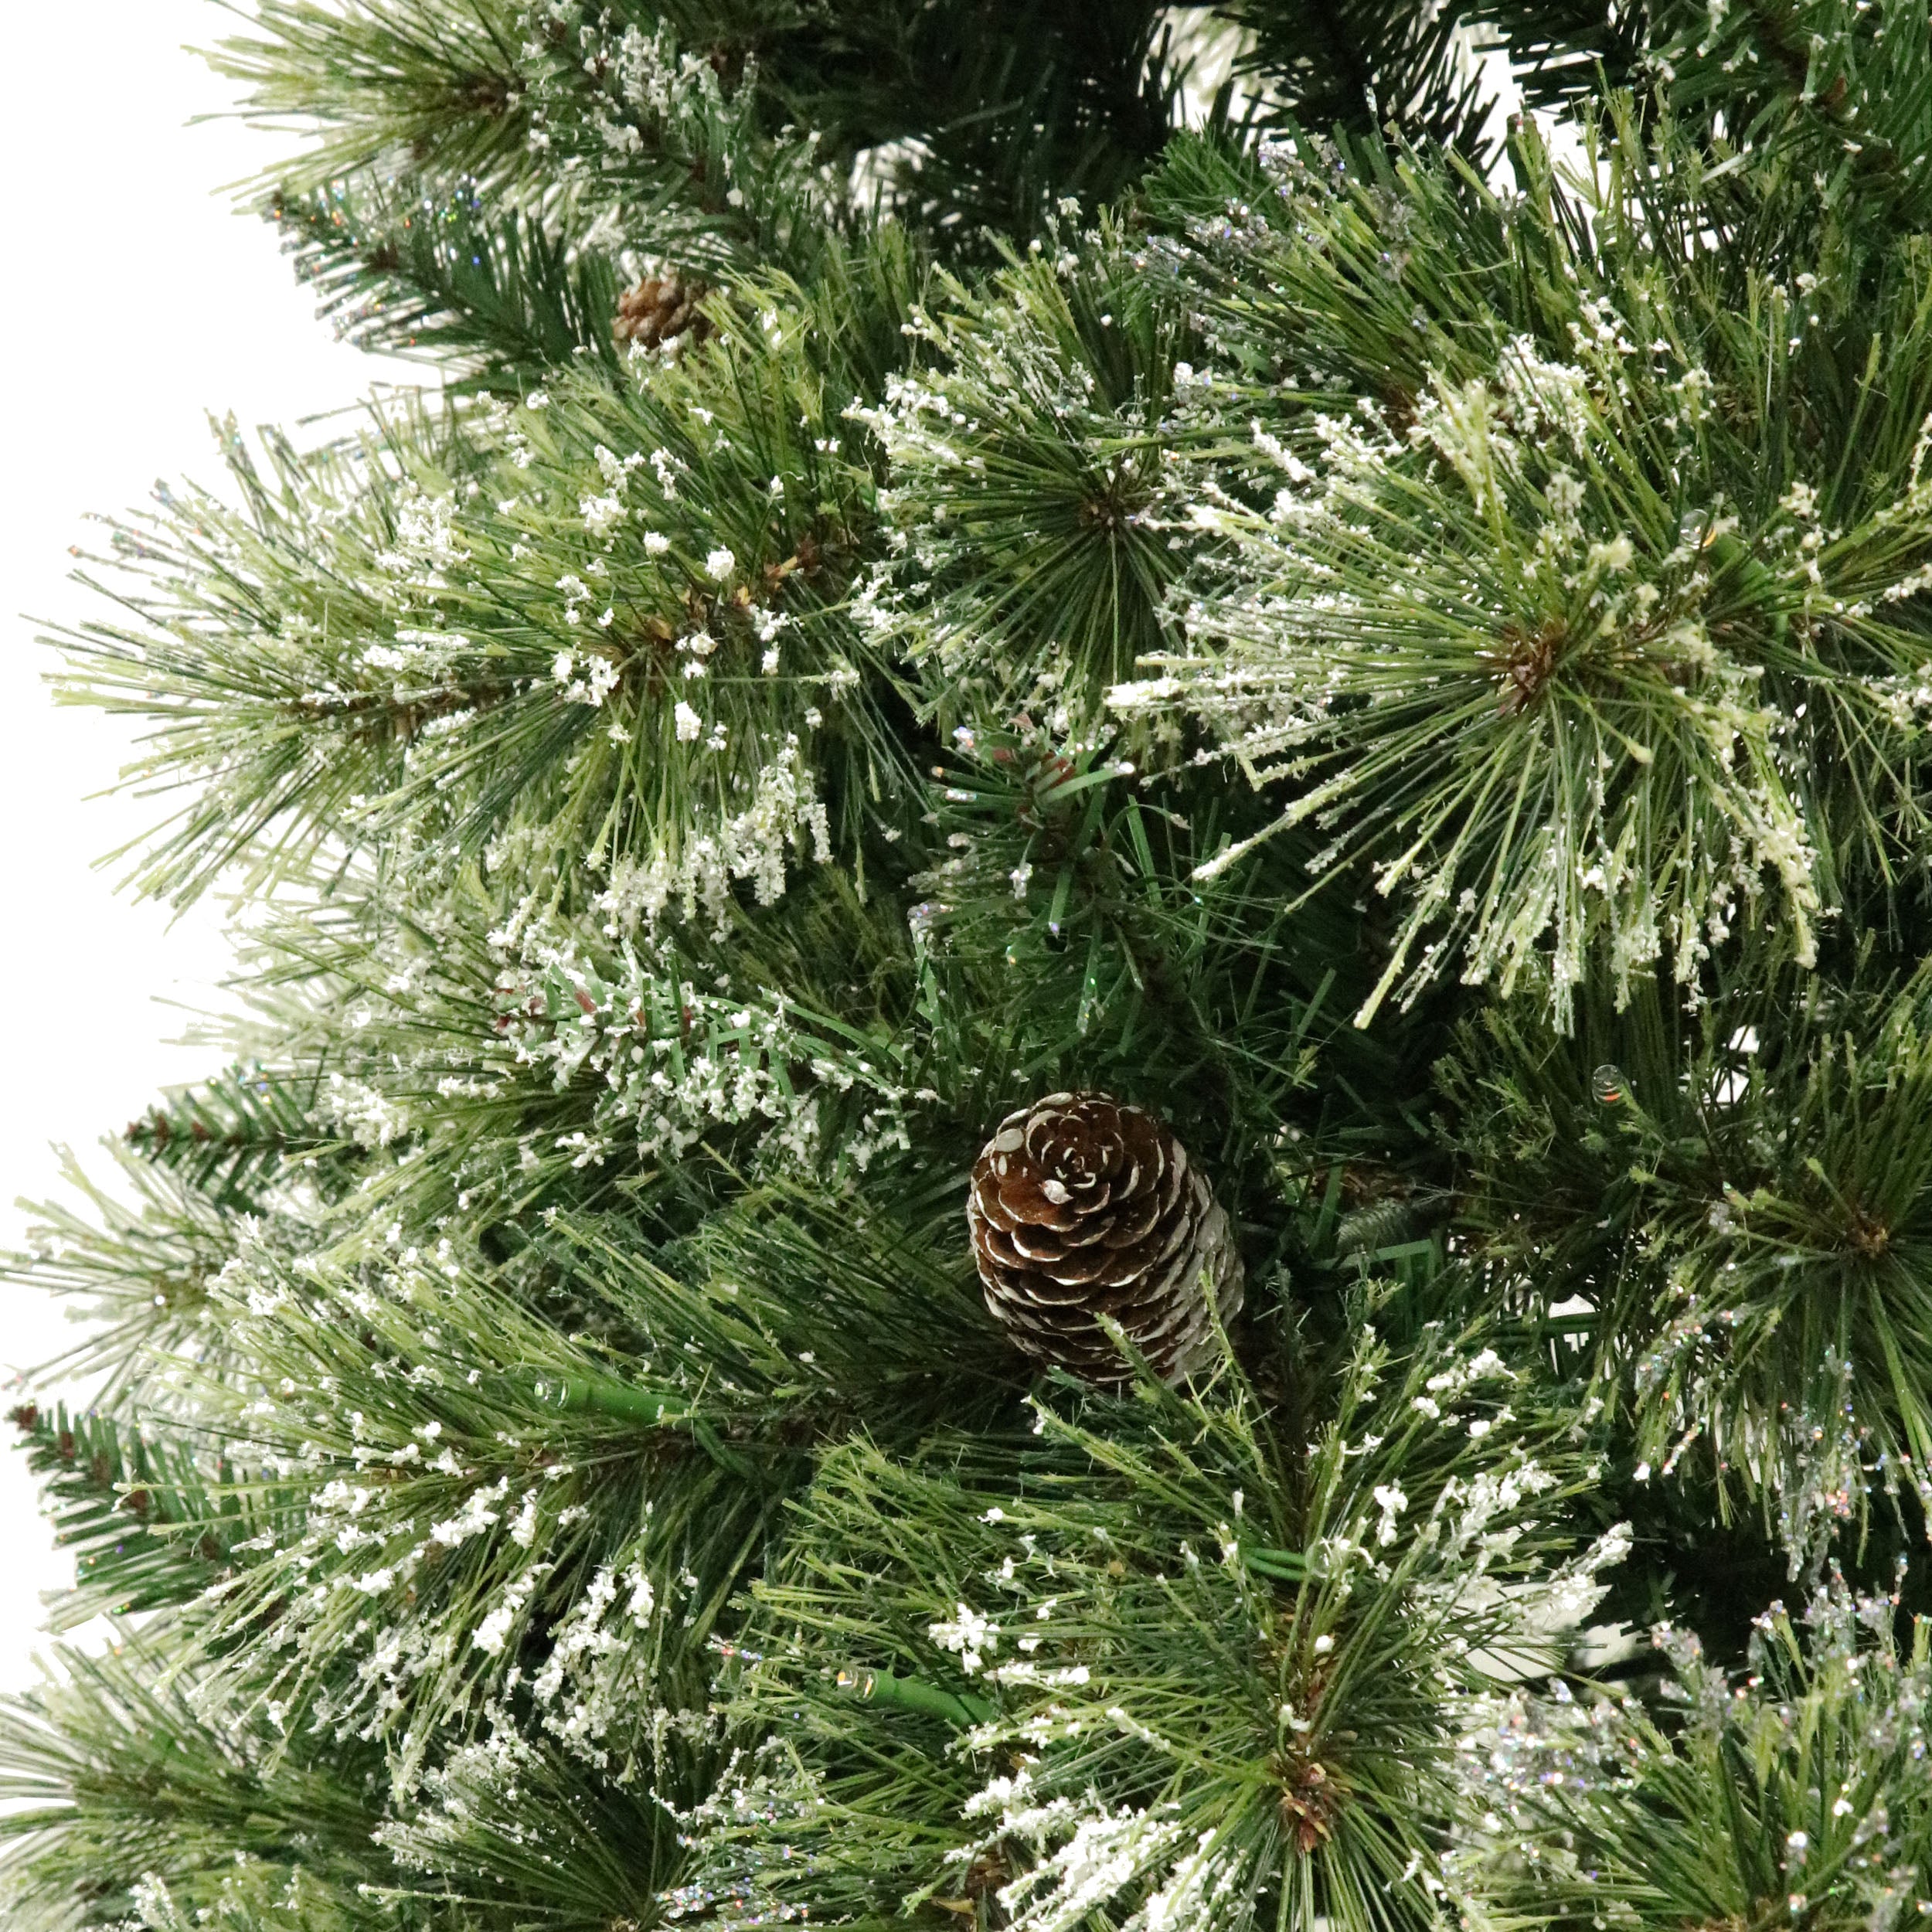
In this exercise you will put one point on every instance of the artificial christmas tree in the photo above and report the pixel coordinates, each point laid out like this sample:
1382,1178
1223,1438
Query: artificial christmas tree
969,614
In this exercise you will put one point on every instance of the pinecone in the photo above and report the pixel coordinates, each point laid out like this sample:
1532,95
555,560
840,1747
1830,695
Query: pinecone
661,308
1082,1206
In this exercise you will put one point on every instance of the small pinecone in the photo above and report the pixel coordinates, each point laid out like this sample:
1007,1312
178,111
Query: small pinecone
659,309
1081,1207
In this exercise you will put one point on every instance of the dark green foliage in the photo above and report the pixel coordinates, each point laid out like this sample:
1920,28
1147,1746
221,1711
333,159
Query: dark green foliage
982,118
1066,910
1362,67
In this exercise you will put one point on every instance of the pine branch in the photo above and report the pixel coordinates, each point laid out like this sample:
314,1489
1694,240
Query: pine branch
232,1136
1836,97
442,626
148,1525
1799,1790
1359,65
435,85
1744,1218
689,162
401,270
1032,565
1192,1629
138,1272
559,127
514,1835
122,1797
598,1068
1444,712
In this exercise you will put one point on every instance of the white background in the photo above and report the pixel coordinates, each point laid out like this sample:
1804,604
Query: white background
134,301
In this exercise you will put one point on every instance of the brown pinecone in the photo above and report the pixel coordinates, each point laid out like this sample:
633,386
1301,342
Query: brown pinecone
659,309
1082,1206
